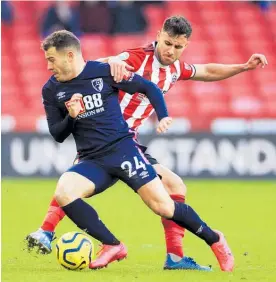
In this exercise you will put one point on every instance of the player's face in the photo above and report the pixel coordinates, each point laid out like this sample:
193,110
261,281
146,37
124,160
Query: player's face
169,48
59,63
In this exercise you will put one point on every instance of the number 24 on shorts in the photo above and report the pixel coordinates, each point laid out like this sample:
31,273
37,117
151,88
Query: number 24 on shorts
127,165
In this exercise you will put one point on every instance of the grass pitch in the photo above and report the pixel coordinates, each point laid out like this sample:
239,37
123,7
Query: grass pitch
244,211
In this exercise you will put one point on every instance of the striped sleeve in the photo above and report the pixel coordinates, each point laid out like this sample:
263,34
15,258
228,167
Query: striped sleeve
186,71
133,57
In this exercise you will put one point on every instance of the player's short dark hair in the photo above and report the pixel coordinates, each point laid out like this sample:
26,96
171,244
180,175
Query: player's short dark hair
61,39
177,25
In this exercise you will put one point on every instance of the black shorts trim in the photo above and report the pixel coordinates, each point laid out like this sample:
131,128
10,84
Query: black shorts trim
151,159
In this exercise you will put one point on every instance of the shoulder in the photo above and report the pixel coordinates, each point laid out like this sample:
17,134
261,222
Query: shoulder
49,86
49,90
93,64
136,56
96,69
141,50
149,47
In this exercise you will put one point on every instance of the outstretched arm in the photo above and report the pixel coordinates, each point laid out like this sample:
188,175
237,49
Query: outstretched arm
215,72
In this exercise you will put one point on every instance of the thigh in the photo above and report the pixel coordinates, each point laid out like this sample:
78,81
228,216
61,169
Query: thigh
130,165
95,173
172,182
71,186
157,198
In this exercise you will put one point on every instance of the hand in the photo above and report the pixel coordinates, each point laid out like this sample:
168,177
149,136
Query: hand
164,124
74,106
119,68
256,60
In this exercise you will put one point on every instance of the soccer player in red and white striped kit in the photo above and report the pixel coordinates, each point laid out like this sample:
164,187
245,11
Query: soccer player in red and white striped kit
159,62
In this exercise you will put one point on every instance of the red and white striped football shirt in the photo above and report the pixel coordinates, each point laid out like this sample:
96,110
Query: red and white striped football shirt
136,108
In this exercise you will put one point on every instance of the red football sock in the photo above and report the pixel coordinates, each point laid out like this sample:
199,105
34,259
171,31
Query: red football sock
173,232
54,215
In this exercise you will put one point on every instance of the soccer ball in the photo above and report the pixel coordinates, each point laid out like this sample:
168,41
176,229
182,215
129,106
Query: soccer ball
74,250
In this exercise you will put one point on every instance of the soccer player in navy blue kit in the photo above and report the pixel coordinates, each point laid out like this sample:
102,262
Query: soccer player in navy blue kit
81,99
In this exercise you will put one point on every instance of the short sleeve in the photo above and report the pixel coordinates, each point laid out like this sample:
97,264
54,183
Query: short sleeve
133,57
187,71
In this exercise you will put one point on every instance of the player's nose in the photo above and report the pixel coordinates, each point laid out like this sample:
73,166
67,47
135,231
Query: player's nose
49,67
170,51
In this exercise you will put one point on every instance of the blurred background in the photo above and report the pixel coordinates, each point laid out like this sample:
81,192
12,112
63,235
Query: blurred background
221,129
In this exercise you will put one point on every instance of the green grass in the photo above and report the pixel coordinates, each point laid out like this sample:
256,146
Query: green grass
244,211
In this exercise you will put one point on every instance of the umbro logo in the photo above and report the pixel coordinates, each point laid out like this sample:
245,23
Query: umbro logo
97,84
61,95
200,229
144,174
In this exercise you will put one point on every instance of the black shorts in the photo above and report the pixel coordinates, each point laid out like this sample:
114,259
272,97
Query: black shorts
100,173
150,158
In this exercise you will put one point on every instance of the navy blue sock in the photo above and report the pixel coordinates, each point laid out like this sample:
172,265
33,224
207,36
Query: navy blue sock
186,217
87,219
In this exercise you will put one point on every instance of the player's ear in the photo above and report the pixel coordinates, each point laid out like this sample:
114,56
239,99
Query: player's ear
70,56
187,43
158,35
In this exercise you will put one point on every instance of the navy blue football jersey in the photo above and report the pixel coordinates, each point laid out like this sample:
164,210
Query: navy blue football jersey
100,124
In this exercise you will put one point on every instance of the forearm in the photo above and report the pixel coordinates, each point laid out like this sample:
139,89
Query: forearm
216,72
136,84
61,130
156,99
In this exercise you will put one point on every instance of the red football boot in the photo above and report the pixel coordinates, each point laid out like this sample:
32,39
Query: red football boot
108,254
223,253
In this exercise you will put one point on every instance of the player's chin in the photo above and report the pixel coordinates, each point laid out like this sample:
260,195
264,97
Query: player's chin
167,61
58,78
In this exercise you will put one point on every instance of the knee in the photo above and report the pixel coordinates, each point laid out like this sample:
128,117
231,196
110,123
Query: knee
59,194
72,186
63,193
164,209
175,185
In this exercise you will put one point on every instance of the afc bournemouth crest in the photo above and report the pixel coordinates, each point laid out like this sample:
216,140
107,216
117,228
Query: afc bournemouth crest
97,84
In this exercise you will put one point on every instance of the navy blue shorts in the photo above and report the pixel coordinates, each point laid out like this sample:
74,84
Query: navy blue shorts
127,163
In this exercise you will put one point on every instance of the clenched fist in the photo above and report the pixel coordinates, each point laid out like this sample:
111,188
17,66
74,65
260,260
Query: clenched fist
74,105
